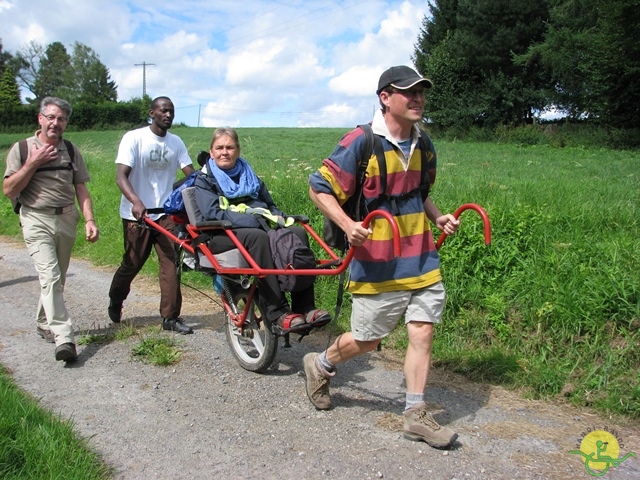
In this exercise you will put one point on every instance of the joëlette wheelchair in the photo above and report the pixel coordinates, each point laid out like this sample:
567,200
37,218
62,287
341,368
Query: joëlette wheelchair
252,338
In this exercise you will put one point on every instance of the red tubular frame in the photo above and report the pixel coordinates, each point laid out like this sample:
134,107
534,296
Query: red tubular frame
485,221
332,266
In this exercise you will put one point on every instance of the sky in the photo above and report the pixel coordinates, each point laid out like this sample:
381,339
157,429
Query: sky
249,63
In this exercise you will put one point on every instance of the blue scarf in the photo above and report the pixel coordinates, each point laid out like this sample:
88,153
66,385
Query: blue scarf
247,184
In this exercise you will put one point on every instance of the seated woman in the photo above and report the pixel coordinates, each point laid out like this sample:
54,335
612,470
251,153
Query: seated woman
229,180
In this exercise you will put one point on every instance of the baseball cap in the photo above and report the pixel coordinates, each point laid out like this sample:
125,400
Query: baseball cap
402,78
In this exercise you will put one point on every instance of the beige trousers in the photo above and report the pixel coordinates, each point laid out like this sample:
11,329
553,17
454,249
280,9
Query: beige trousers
49,239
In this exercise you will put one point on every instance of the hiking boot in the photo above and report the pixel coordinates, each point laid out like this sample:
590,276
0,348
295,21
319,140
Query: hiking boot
66,352
317,383
177,325
46,334
419,425
115,311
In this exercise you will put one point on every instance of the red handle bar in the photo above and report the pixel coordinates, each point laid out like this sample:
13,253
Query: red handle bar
341,265
394,227
485,221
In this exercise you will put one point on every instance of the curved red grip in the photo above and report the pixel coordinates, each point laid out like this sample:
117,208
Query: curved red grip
483,215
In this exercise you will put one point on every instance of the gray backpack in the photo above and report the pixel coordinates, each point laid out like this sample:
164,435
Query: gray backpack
289,252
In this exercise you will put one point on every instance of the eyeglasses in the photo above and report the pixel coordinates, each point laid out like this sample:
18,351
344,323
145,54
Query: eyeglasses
414,92
52,118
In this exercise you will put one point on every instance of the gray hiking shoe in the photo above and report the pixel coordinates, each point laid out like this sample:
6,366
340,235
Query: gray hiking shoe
419,425
317,384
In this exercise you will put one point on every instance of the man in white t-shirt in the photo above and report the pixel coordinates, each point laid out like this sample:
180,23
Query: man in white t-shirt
147,161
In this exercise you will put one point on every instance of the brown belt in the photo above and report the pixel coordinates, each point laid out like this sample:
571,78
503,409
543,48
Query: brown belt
52,211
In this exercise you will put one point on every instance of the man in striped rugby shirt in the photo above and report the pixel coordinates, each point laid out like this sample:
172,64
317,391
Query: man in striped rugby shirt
386,288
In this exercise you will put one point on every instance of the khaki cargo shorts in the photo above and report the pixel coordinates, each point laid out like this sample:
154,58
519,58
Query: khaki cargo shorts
374,316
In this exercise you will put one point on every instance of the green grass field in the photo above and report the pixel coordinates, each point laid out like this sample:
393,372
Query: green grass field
37,444
552,306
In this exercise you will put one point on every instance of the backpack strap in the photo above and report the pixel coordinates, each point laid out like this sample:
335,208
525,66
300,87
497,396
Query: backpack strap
365,155
23,147
70,150
24,154
72,156
382,162
425,182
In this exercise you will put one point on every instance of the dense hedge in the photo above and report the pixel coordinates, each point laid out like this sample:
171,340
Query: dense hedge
85,117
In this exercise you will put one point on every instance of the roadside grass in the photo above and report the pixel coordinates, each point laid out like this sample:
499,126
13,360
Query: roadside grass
36,443
157,349
90,338
125,331
150,344
551,307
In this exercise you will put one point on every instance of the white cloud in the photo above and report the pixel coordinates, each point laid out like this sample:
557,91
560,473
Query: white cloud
357,81
5,5
273,64
303,62
327,115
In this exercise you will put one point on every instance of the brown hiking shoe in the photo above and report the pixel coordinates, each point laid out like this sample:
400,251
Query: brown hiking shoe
46,334
419,425
317,384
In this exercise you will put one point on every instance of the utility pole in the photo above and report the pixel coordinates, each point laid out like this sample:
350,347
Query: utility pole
144,76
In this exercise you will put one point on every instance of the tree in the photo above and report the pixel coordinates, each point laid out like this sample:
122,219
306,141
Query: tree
54,73
435,29
79,78
26,64
591,50
5,58
92,80
9,90
477,41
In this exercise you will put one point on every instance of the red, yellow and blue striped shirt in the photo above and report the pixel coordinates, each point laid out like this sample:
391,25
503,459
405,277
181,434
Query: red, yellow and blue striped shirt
374,268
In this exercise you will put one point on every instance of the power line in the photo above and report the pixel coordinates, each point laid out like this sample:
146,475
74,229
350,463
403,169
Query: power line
268,112
221,32
273,29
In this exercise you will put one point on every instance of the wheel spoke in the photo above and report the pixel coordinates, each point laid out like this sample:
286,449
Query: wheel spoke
256,349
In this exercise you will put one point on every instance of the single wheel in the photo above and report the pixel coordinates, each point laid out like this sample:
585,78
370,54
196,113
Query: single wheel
256,346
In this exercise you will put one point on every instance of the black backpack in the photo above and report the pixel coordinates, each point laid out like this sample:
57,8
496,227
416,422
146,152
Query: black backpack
289,252
24,153
354,206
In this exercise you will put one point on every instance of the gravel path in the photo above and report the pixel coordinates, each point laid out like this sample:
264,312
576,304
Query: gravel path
205,417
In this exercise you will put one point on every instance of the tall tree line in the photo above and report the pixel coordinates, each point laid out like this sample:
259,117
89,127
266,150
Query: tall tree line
79,77
499,62
9,89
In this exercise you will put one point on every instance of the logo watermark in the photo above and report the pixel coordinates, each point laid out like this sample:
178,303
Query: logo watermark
600,450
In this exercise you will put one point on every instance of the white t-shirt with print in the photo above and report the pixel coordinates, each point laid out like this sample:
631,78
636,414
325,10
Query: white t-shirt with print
154,161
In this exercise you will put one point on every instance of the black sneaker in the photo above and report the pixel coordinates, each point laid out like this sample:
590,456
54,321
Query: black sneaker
176,325
115,311
66,352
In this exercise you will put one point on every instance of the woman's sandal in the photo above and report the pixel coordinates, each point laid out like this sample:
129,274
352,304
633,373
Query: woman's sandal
318,318
292,322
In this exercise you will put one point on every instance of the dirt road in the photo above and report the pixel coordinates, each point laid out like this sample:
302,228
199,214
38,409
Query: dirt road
207,418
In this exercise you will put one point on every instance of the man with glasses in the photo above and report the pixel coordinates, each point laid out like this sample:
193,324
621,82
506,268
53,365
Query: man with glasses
384,287
47,177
